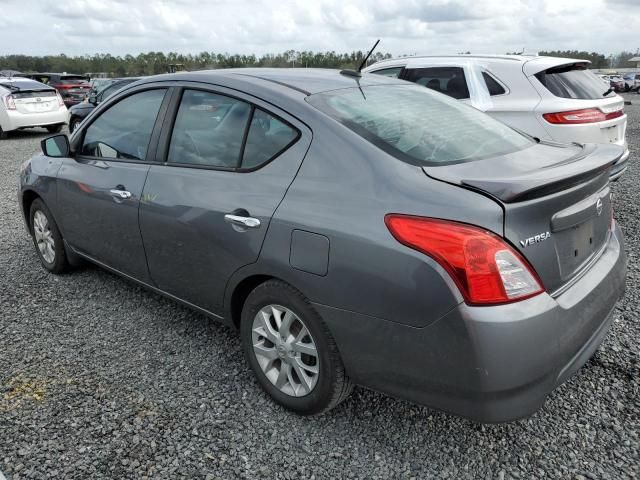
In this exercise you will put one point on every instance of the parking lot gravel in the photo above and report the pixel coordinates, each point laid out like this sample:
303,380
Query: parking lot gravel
102,379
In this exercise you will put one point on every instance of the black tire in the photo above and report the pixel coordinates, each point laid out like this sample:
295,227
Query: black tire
333,385
59,264
3,135
54,128
73,123
627,88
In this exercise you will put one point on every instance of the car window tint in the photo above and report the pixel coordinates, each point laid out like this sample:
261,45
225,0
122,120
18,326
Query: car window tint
573,81
492,85
124,130
208,130
267,137
448,80
389,72
418,126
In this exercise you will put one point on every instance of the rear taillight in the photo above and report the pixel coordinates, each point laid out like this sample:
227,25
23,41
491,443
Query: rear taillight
587,115
484,267
60,101
10,102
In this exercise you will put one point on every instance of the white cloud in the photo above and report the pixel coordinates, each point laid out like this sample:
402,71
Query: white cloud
263,26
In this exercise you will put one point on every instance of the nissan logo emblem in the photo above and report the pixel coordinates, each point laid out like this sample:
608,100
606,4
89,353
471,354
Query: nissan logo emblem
599,206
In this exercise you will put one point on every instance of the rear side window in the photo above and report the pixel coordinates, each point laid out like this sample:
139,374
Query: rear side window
448,80
267,138
389,72
209,130
124,130
572,81
492,85
415,125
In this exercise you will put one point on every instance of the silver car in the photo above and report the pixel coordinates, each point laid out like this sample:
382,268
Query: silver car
355,229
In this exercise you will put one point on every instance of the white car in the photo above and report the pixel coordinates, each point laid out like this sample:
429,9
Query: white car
25,103
556,99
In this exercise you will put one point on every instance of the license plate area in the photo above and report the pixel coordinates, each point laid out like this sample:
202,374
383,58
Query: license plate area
580,232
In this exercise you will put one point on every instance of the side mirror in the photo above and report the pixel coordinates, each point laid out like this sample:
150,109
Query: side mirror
93,99
56,146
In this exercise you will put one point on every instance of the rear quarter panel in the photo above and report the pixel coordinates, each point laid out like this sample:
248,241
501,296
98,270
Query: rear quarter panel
343,191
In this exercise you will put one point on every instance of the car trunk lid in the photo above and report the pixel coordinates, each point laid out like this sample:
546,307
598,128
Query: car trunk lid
35,101
556,202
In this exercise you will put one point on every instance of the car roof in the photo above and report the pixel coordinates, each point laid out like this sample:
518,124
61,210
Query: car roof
531,64
306,81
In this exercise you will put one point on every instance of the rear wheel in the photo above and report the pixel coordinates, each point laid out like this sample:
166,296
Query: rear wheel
54,128
3,134
291,350
47,238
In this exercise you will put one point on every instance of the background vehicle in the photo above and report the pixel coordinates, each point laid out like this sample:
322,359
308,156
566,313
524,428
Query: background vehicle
442,258
25,103
549,98
617,83
80,110
629,81
72,88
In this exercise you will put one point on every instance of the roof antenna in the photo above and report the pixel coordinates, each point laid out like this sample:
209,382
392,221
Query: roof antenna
357,73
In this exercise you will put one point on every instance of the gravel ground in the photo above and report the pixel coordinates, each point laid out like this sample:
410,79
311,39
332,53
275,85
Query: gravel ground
102,379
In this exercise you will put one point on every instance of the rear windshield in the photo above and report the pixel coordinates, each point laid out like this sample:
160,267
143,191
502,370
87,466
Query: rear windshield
72,79
419,126
573,81
24,84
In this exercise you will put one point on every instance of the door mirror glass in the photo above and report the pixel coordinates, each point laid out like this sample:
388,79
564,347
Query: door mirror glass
56,146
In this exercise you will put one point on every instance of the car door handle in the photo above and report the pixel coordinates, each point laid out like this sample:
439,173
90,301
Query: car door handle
240,221
120,194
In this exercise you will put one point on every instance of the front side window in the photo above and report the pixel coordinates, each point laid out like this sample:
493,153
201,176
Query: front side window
448,80
209,130
416,126
267,137
389,72
124,130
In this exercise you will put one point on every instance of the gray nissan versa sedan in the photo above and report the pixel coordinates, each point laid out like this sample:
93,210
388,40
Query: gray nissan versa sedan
355,229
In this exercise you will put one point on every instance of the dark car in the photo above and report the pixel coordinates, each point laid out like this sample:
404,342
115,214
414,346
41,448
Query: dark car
351,238
72,88
79,111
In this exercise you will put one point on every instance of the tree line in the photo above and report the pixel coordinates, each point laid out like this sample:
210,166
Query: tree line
152,63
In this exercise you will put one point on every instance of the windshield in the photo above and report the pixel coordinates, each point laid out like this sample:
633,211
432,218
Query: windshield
418,125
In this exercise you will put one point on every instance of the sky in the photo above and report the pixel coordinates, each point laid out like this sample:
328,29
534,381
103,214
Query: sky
77,27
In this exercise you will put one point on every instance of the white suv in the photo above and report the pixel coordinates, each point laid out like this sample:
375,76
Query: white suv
549,98
25,103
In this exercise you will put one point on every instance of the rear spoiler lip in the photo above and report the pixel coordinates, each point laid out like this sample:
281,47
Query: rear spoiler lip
595,159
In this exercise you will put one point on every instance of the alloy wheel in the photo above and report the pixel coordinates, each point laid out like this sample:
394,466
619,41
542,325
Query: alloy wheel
285,350
44,236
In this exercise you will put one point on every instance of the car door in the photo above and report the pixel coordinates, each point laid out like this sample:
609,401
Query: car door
228,161
99,190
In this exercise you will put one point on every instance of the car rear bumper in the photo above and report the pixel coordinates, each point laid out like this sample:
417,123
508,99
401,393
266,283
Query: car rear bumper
491,364
17,120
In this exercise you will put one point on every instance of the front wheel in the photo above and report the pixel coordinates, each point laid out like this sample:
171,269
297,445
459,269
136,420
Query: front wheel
54,128
73,124
291,350
47,238
3,135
